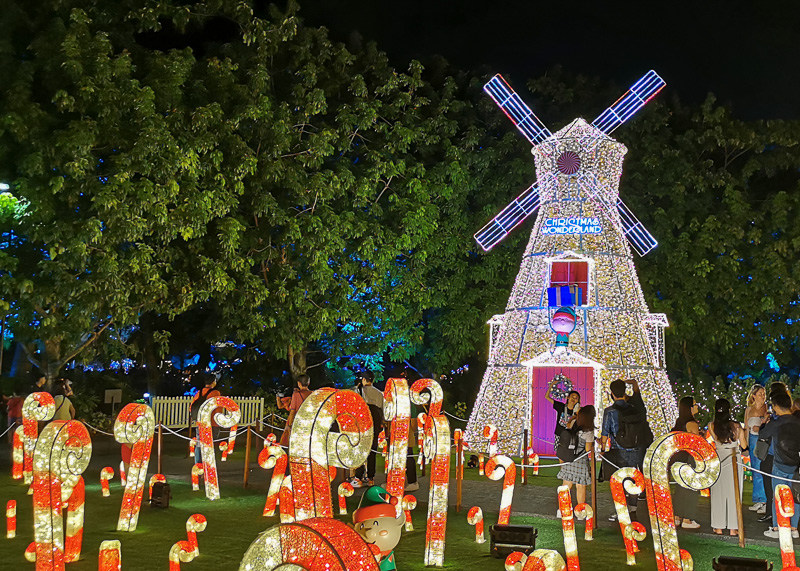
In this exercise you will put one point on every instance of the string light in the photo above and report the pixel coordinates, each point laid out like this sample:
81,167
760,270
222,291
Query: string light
475,517
62,454
397,411
659,501
36,408
135,426
615,328
227,417
273,458
105,475
110,558
502,466
317,543
313,447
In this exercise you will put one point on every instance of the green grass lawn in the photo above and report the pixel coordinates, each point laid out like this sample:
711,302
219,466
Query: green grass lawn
235,520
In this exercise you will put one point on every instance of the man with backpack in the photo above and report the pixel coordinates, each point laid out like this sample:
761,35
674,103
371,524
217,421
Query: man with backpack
374,399
208,391
626,433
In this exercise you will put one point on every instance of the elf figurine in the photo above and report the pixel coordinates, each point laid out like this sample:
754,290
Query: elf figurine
563,323
379,522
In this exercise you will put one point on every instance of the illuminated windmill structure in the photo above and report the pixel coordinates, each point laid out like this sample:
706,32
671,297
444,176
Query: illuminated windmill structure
582,239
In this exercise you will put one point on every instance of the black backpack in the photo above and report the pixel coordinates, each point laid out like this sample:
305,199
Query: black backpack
199,402
634,431
161,495
567,449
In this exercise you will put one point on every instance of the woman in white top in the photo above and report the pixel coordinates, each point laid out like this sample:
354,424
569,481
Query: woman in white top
756,415
64,408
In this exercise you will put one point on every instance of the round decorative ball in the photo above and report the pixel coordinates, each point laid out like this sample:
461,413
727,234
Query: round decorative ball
568,162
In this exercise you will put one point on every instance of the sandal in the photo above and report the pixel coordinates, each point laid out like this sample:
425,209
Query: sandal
716,531
734,532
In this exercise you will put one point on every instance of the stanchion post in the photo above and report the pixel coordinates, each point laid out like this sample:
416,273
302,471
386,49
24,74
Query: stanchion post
459,472
524,475
735,467
593,460
247,456
160,442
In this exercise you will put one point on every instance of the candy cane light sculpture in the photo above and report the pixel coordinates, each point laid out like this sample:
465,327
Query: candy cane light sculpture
437,451
110,557
585,512
501,466
475,517
62,454
397,411
336,547
784,510
37,407
229,416
427,392
135,426
539,560
18,453
105,475
632,481
669,556
273,458
11,519
313,447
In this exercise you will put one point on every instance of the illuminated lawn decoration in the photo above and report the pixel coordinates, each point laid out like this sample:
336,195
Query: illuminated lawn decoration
195,524
18,453
397,411
223,447
61,456
383,446
192,446
481,464
75,517
37,407
345,491
313,447
533,460
409,503
286,500
110,558
632,480
197,472
11,519
579,170
421,419
497,467
568,528
585,512
180,552
229,416
273,458
123,476
475,517
135,426
490,432
539,560
437,451
317,543
105,475
428,392
153,479
784,510
659,500
232,438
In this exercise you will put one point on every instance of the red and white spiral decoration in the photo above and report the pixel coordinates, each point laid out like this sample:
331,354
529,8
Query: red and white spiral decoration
492,434
585,512
784,510
17,453
197,472
110,557
273,458
345,491
437,450
501,466
229,416
475,517
135,426
11,519
568,529
632,480
37,407
106,474
397,411
409,503
539,560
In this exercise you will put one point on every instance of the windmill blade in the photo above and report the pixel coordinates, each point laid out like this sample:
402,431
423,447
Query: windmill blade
516,110
640,239
509,218
634,99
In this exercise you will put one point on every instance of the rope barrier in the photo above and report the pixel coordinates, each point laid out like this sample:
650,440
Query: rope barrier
8,429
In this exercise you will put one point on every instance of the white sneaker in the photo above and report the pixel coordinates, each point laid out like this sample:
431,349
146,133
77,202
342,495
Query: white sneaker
757,507
762,509
558,514
772,533
795,534
691,525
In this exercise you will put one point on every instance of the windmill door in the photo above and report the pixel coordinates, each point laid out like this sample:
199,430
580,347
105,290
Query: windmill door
543,415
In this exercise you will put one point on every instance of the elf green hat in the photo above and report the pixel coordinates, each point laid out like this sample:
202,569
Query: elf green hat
376,502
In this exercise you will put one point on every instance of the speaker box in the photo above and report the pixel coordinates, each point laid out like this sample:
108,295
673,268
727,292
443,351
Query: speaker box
741,564
505,539
161,495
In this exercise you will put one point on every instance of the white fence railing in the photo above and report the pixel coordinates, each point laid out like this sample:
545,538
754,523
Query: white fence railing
175,412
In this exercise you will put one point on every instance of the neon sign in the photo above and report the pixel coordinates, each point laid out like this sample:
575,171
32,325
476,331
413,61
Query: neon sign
572,226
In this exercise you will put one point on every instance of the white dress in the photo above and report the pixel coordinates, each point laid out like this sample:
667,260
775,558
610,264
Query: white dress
723,501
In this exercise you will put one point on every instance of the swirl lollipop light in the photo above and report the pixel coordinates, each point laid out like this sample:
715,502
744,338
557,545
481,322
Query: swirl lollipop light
345,491
397,410
585,512
61,456
135,426
18,453
409,503
313,544
197,472
313,447
153,479
784,510
427,392
502,466
632,480
669,556
11,519
273,458
37,407
437,450
568,527
229,416
105,475
110,558
475,517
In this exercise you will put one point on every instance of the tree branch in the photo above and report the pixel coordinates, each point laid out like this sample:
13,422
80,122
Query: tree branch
92,338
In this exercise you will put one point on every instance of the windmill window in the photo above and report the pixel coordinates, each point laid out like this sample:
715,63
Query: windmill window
572,272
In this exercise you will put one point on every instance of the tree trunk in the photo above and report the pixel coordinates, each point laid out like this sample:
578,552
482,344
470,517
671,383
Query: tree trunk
151,359
297,362
687,360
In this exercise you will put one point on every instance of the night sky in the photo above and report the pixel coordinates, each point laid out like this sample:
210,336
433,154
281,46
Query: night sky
746,53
